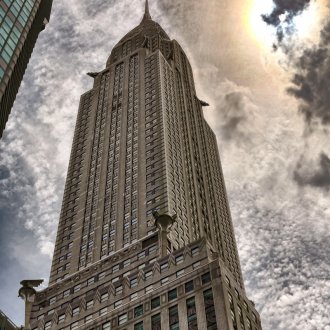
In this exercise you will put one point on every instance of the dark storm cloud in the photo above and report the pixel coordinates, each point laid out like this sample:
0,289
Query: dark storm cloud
319,178
4,172
311,82
282,17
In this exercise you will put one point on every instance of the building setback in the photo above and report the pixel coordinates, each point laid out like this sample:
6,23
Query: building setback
21,21
145,238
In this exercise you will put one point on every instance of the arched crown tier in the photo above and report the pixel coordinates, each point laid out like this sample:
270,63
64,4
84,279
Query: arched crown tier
148,34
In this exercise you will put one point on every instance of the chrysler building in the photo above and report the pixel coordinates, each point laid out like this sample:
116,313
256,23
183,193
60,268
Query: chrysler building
145,237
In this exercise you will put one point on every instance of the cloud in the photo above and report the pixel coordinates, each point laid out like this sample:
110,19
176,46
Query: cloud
312,80
4,173
305,173
282,18
234,112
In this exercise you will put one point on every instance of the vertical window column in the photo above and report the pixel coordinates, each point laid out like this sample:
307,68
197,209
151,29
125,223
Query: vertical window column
173,314
211,320
191,314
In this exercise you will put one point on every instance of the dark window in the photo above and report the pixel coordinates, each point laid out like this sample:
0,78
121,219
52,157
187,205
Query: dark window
138,311
156,322
138,326
172,294
173,314
155,303
210,310
191,314
189,286
206,278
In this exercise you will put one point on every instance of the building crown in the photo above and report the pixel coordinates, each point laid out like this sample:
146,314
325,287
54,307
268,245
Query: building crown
146,12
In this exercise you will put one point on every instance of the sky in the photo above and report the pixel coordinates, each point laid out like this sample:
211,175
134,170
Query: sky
267,81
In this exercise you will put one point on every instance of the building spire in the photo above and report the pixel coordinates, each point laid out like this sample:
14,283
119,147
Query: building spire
146,12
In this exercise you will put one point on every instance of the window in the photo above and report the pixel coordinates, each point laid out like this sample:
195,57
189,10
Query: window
122,318
104,311
75,311
133,296
195,251
180,273
141,255
66,293
89,304
156,322
179,259
115,268
104,297
206,278
155,302
174,318
138,326
48,325
164,280
138,311
74,325
88,318
114,280
106,326
90,281
236,294
210,310
52,300
191,314
118,303
189,286
119,290
134,282
148,289
61,318
148,274
77,288
164,267
172,295
152,249
196,264
101,276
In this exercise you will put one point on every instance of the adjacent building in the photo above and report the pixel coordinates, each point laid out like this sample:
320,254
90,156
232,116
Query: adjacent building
145,238
21,21
6,323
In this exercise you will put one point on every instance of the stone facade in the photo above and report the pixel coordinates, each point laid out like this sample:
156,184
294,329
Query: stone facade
145,238
130,288
20,24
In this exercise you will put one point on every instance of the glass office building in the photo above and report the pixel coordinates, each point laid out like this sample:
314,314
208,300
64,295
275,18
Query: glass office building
21,21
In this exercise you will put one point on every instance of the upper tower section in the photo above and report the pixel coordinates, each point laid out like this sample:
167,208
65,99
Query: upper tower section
148,34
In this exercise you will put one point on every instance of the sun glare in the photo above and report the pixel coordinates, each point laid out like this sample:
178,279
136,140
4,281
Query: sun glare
305,24
263,33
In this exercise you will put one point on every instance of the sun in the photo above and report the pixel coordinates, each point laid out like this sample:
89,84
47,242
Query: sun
260,31
305,24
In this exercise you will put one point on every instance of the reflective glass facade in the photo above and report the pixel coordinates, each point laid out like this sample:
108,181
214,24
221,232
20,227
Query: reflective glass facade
20,23
14,16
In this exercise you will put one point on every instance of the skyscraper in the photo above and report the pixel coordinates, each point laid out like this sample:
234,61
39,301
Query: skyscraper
145,239
21,21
